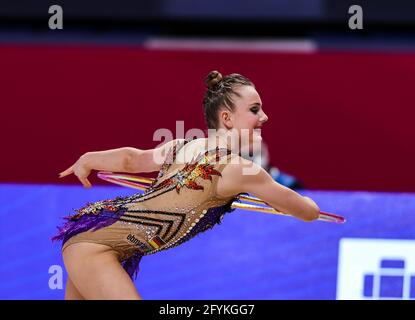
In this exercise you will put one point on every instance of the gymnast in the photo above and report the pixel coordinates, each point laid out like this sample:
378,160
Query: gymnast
197,181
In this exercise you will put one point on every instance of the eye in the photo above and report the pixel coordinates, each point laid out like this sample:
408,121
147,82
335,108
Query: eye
254,110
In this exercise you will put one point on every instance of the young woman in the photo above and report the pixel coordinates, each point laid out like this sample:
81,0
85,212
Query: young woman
104,242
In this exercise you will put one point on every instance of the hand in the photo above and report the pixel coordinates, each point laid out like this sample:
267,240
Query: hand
312,202
79,169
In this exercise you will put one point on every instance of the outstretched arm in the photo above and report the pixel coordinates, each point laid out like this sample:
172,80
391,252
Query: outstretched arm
148,160
126,159
263,186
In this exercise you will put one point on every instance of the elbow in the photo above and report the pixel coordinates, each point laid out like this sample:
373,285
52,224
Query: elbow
138,160
128,162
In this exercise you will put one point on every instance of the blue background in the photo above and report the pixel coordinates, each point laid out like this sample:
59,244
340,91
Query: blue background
249,256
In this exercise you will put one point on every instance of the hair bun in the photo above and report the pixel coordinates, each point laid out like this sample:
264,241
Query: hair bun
213,78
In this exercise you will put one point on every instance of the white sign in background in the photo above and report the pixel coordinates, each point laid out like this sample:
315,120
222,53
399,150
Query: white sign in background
361,257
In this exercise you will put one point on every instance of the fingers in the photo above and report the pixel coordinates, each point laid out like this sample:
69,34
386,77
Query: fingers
82,176
85,182
66,172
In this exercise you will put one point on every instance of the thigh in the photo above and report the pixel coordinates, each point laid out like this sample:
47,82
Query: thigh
71,292
96,272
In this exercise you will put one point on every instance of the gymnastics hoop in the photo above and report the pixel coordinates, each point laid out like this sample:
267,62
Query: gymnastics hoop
143,183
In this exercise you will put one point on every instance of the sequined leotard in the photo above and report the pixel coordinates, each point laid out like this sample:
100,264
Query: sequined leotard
181,203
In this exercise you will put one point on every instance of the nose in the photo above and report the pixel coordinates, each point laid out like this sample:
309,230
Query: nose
264,118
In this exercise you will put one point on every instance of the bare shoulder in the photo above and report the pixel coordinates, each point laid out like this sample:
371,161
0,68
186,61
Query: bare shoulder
236,174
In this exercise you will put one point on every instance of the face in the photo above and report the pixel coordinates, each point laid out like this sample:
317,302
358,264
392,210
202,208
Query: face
246,117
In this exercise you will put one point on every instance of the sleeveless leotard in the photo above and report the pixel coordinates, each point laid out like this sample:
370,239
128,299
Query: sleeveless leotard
181,203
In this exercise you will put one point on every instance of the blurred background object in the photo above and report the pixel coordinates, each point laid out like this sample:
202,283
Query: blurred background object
262,158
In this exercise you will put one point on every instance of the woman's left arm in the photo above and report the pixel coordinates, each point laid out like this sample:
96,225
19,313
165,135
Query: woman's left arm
147,160
125,159
108,160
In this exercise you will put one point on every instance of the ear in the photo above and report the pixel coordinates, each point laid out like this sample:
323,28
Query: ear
225,116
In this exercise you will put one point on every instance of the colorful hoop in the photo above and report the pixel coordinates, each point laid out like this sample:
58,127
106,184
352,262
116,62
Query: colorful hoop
142,183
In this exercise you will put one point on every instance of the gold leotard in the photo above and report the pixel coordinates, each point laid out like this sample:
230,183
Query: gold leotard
181,203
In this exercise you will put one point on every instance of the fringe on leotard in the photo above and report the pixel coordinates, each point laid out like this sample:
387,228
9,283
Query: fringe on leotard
87,222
